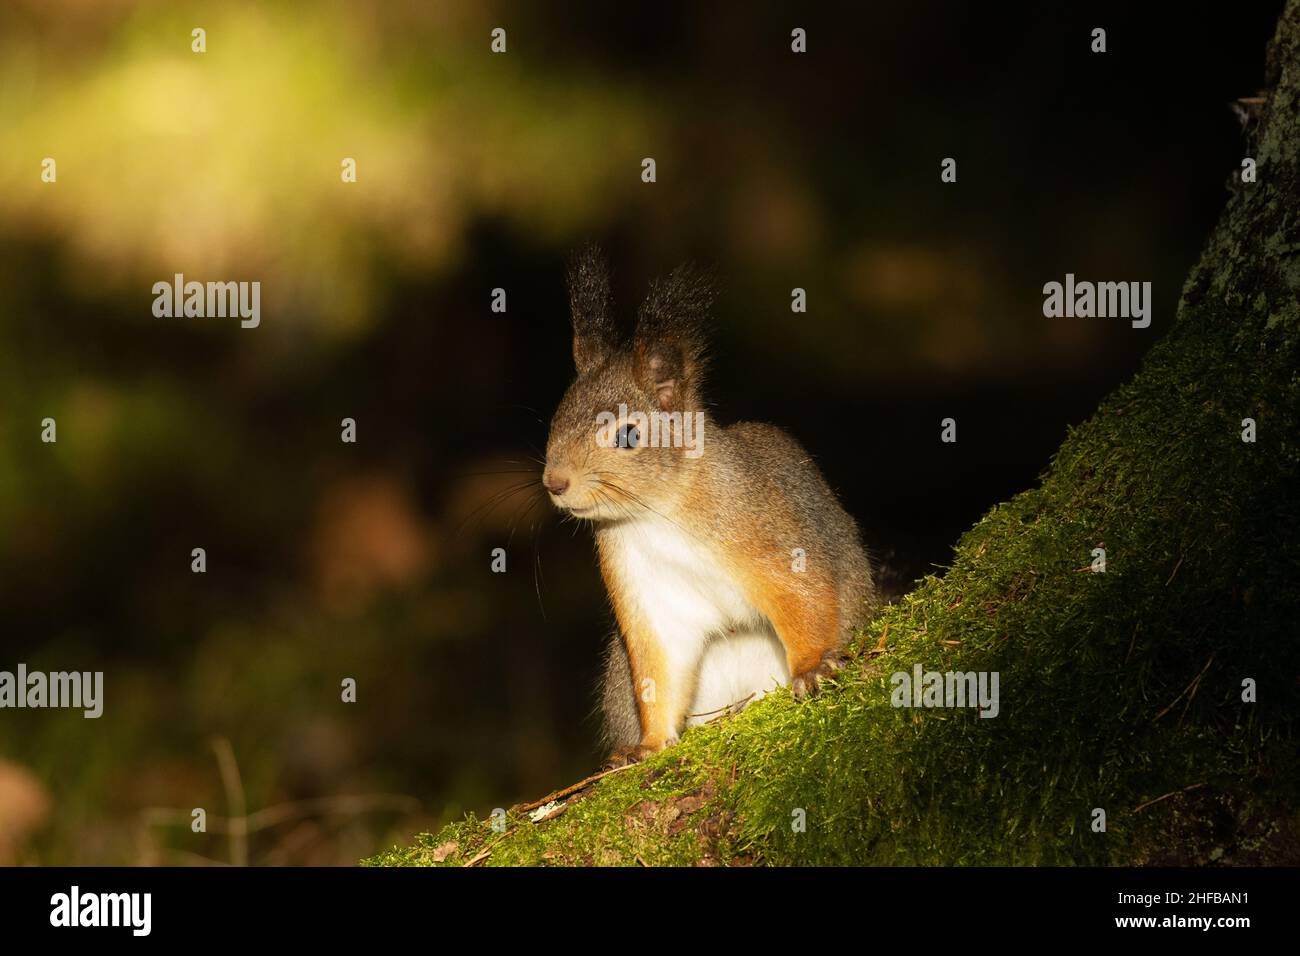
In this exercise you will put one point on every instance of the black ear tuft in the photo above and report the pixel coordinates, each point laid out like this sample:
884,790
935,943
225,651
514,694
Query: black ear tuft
595,333
669,346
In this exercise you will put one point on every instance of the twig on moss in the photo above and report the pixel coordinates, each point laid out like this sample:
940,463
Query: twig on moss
728,709
880,644
1190,687
1175,570
487,851
568,791
1132,642
1171,793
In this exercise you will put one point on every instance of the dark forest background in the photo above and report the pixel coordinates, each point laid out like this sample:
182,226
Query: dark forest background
475,171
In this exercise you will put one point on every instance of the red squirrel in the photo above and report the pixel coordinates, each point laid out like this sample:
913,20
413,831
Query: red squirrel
730,564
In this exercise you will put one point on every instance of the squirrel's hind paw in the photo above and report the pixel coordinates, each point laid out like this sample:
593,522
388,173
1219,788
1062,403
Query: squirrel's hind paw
634,753
809,683
622,757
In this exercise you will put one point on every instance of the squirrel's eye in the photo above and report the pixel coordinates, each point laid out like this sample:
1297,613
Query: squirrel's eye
629,436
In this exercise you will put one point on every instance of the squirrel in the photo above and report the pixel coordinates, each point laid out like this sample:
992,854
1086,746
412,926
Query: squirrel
730,564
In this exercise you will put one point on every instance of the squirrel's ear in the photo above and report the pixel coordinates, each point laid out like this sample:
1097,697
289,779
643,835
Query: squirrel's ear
668,349
595,333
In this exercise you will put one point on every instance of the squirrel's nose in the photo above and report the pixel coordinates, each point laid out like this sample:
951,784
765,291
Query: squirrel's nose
555,484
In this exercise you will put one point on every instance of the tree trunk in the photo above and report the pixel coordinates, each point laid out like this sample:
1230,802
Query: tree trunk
1161,693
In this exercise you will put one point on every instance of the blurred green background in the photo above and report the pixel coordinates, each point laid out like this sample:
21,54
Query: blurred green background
475,171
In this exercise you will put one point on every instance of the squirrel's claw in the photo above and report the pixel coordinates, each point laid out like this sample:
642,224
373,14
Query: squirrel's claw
809,683
633,753
627,755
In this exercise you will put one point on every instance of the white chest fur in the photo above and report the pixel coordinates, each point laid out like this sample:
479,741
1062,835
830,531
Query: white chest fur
710,633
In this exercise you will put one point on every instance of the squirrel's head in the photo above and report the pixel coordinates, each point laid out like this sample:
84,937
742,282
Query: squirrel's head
633,419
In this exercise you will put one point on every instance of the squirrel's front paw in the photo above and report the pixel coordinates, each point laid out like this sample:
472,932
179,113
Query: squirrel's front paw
809,683
635,753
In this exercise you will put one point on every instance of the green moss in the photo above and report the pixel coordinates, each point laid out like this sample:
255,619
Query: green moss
1117,689
1201,579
